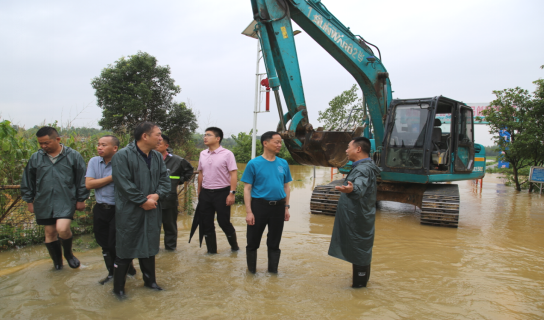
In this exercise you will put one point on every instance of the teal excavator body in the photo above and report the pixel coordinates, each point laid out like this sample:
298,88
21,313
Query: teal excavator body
416,142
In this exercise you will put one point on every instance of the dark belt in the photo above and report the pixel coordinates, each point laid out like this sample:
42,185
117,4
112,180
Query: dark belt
270,203
105,206
217,190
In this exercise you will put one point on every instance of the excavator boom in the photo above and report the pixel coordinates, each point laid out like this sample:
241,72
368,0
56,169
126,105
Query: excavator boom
307,145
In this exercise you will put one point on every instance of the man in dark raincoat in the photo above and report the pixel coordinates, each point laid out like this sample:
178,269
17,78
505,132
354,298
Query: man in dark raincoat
53,185
179,171
353,231
141,179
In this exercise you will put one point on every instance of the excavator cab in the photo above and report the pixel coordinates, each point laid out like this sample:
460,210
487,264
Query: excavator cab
428,136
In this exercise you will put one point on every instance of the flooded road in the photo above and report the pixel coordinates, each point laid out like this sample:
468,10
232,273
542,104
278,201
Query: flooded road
491,267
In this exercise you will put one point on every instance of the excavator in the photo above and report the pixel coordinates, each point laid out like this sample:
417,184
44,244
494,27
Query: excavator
421,144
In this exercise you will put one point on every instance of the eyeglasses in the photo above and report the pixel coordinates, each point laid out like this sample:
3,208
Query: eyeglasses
209,135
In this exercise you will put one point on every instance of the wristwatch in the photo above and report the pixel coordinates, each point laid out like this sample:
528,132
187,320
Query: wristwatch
287,206
232,192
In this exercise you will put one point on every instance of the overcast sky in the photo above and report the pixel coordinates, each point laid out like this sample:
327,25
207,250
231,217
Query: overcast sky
50,51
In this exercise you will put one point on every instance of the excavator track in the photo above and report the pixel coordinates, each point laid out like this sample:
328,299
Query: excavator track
440,205
325,198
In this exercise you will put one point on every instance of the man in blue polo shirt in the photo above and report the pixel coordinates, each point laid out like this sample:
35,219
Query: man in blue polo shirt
99,178
266,196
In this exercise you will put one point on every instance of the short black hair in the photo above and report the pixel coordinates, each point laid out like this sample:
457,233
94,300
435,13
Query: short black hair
165,138
364,143
47,131
268,136
114,140
143,128
217,132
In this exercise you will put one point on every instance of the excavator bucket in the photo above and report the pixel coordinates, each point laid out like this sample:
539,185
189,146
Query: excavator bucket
324,148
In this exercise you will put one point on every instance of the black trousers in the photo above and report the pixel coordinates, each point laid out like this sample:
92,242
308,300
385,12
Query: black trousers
170,226
271,215
104,227
210,202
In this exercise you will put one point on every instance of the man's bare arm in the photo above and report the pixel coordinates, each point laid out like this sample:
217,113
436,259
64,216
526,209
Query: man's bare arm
200,178
233,182
94,183
250,218
287,190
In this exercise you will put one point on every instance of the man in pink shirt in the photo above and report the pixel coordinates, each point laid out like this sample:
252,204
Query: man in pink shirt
217,179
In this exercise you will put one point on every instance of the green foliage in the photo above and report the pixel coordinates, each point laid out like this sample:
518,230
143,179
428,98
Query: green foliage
520,113
523,175
137,89
188,150
492,151
14,154
340,107
188,206
180,124
239,196
242,149
17,235
93,244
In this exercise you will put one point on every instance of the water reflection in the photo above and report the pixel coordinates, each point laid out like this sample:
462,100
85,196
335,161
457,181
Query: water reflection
491,267
301,176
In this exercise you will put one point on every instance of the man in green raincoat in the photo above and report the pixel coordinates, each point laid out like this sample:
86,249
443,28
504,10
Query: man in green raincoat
53,185
353,231
141,180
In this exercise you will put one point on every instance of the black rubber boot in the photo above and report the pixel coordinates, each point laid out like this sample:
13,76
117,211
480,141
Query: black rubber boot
147,265
73,262
211,243
361,274
233,242
119,279
131,269
273,261
55,251
252,261
109,259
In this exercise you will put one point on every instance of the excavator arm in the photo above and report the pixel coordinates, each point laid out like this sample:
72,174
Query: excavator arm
307,145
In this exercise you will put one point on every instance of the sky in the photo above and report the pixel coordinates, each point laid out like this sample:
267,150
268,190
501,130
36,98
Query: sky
51,50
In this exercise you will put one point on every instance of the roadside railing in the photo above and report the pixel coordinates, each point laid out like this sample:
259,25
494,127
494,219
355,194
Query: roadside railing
18,226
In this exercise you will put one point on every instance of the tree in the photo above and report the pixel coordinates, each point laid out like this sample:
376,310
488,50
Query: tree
14,154
519,113
136,89
180,124
340,107
242,149
536,128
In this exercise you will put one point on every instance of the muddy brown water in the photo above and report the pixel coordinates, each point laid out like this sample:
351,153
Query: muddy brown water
491,267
